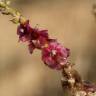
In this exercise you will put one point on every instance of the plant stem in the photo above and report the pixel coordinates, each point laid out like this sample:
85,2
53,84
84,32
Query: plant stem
7,10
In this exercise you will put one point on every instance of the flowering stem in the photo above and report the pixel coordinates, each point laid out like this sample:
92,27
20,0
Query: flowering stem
54,55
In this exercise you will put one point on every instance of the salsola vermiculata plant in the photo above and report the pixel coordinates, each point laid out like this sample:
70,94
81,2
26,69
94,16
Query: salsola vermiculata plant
54,55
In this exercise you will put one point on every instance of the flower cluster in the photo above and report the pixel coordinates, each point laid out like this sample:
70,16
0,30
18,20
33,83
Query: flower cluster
36,38
54,54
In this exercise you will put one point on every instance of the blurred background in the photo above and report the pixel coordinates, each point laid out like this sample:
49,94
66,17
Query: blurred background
71,22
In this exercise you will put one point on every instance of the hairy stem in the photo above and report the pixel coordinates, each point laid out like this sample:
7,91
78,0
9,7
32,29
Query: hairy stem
7,10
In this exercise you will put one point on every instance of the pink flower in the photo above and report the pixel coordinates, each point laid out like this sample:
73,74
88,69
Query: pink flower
55,55
24,31
39,37
35,37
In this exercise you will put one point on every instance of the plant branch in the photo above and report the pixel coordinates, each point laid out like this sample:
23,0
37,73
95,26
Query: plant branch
54,55
7,10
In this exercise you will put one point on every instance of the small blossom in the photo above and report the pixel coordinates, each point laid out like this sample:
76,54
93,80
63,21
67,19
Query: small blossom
55,55
24,31
38,38
89,87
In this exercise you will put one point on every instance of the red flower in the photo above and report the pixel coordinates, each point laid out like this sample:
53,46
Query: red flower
24,31
39,37
35,37
55,55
